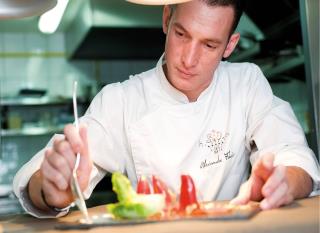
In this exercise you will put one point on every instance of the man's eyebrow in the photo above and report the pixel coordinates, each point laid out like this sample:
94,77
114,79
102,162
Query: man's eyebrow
178,25
209,40
215,41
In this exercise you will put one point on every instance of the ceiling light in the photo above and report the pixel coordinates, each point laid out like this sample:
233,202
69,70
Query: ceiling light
157,2
14,9
49,21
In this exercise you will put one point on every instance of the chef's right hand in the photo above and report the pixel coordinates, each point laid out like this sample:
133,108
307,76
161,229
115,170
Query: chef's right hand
58,163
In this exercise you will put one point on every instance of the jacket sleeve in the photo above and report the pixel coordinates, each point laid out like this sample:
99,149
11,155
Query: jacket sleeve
273,127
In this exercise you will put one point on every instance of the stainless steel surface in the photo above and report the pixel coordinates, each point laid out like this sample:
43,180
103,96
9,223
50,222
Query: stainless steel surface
35,129
75,187
45,100
30,131
14,9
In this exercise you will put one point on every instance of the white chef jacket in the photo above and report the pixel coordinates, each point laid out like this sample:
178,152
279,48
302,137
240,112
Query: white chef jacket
144,126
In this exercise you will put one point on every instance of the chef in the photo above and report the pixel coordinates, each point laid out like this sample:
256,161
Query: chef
191,114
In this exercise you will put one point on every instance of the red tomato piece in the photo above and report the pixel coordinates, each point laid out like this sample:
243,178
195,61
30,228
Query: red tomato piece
160,187
187,192
143,186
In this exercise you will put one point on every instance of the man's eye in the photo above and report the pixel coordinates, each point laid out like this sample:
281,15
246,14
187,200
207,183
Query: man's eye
210,46
180,34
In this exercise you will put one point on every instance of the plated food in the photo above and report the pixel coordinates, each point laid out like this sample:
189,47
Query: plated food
155,201
133,205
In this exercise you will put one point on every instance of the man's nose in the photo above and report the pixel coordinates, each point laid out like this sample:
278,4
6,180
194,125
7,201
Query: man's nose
190,56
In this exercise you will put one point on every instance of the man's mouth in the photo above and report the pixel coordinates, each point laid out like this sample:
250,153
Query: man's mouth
186,73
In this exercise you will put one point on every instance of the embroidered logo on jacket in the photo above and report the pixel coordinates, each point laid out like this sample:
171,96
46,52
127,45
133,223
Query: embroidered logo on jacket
215,142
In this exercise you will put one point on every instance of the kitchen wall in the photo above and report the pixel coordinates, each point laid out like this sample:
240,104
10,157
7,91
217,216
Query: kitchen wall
31,60
37,61
34,60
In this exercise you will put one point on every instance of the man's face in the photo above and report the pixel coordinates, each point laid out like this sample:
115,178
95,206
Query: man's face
197,39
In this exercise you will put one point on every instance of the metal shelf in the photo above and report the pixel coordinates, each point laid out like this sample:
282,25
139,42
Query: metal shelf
283,64
32,131
45,100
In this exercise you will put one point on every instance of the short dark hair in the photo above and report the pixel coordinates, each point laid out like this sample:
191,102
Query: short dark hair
237,5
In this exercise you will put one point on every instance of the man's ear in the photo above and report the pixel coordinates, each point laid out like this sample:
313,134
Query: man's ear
233,41
166,18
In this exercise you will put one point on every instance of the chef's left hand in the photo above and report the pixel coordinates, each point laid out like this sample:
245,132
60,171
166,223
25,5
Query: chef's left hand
273,185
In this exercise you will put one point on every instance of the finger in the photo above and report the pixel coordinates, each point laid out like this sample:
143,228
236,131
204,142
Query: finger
256,188
56,142
273,200
243,196
264,167
64,149
53,175
85,165
53,196
73,137
83,135
60,164
275,179
62,158
287,199
267,160
50,191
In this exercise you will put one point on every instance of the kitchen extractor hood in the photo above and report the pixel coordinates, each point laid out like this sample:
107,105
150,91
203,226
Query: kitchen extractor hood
115,29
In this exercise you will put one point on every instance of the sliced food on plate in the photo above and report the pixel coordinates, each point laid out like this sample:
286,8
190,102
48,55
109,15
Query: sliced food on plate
154,200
